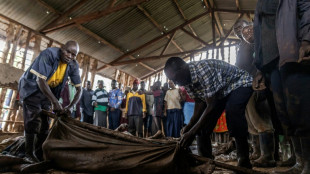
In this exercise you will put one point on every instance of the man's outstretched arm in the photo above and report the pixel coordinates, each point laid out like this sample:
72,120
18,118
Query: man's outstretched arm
45,89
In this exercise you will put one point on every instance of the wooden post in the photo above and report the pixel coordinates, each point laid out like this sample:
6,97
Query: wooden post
7,126
87,71
93,72
217,54
128,80
149,86
222,53
36,48
116,74
8,41
229,47
50,43
16,39
2,97
26,49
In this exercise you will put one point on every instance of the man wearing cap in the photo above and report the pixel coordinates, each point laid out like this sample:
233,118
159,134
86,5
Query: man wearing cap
40,87
87,109
135,110
100,102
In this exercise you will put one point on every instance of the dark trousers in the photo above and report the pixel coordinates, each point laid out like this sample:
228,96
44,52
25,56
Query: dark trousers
114,118
87,118
234,105
296,86
147,123
135,124
34,121
174,122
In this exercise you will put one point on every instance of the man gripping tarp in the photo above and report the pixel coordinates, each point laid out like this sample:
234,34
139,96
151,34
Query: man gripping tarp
40,87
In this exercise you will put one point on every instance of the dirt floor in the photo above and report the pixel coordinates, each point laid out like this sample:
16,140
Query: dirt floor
8,138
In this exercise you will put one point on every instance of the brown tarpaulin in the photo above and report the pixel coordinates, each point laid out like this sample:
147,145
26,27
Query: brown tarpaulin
81,147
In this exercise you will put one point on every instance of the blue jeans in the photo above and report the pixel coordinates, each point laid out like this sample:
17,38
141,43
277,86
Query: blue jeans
114,118
174,122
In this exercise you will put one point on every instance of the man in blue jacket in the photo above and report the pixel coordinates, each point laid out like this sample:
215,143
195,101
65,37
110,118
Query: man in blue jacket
40,87
282,47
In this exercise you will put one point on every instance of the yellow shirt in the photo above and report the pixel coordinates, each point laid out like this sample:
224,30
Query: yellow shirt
58,76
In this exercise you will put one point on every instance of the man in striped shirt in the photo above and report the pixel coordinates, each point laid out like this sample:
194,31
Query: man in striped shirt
100,102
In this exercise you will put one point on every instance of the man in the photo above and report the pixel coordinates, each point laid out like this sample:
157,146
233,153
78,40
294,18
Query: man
40,87
115,101
173,111
282,47
100,102
86,104
214,85
258,111
135,110
149,100
66,97
142,91
158,109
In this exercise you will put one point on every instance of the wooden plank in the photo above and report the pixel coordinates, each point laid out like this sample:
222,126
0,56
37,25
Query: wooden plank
15,42
237,4
8,41
159,37
2,98
26,49
94,15
48,7
36,48
93,72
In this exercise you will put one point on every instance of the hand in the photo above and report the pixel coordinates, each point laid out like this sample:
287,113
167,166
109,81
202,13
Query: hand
68,109
187,139
304,51
183,130
95,104
57,106
258,81
112,109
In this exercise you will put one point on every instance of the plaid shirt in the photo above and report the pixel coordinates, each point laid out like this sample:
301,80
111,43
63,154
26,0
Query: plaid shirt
210,77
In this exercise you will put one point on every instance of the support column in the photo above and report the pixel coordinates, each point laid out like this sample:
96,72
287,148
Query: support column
93,72
8,41
36,48
15,42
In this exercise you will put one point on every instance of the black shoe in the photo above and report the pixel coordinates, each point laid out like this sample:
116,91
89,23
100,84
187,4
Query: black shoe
267,148
243,153
256,149
38,146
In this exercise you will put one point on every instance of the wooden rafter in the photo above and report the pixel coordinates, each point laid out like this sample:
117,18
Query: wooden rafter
112,3
166,55
104,42
217,19
237,4
94,15
184,17
168,43
155,23
195,37
49,8
228,33
159,37
65,14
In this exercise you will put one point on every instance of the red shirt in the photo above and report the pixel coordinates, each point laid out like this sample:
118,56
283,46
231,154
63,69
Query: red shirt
188,99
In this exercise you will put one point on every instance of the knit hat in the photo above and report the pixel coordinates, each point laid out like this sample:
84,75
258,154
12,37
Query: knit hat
136,81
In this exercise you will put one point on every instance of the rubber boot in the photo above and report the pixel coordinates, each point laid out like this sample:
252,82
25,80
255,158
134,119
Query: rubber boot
204,146
38,146
292,160
305,146
267,149
255,145
298,167
29,148
243,153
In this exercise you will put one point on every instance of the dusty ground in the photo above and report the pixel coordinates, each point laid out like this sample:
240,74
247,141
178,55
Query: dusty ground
8,138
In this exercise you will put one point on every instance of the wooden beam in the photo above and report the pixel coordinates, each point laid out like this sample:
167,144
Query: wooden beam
48,7
228,33
237,4
168,43
234,11
95,15
157,25
37,45
26,49
162,56
112,3
8,41
105,42
217,19
159,37
195,37
16,39
65,14
184,17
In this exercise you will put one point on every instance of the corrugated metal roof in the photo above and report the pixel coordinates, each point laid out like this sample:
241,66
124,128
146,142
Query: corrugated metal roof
128,28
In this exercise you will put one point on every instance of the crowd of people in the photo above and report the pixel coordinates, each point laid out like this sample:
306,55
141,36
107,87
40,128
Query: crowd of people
162,108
